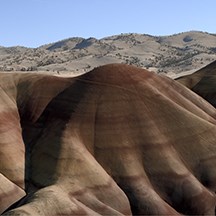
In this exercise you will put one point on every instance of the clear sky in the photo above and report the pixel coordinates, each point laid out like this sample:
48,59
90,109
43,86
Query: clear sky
33,23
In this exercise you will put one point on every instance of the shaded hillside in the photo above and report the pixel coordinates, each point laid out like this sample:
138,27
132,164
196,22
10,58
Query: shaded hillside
118,140
166,54
203,82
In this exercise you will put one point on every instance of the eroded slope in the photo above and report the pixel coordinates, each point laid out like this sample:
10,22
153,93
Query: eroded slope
202,82
117,140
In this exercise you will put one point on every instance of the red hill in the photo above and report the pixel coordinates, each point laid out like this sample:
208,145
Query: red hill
117,140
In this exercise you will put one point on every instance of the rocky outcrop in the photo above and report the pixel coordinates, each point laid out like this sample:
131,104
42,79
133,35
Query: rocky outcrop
118,140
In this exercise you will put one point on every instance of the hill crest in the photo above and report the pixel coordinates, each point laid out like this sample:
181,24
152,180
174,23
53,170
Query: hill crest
163,54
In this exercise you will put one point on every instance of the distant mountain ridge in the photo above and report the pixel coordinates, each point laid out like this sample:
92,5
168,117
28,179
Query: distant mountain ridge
163,54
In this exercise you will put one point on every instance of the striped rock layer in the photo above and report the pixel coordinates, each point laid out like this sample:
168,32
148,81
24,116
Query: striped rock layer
118,140
202,82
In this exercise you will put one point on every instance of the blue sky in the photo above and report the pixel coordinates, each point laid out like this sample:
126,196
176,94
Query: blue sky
33,23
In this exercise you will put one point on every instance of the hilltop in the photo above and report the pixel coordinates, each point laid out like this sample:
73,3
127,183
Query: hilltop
187,51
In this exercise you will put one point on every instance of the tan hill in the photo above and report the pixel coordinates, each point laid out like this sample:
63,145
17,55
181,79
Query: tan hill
118,140
166,54
203,82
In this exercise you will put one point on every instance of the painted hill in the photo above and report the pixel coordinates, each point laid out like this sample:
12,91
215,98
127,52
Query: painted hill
118,140
177,53
203,82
